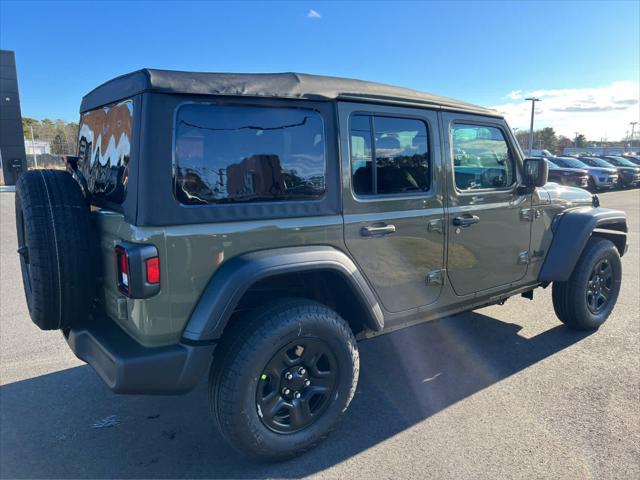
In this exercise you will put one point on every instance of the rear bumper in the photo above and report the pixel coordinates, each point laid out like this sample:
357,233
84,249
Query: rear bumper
128,367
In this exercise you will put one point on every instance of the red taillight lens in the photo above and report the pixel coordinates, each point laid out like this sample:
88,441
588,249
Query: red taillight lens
122,270
153,270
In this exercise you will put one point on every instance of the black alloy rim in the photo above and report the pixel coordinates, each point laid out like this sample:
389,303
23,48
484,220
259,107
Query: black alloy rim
599,286
297,385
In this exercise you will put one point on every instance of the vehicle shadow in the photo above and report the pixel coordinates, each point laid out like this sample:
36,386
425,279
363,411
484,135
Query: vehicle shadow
68,424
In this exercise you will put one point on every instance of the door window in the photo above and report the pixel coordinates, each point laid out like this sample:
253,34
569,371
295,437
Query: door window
481,158
401,152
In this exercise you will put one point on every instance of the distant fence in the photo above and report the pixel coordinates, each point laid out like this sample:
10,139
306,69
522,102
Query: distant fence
46,160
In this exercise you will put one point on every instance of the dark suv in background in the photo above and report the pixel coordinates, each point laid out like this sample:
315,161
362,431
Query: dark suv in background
628,173
629,170
600,177
574,177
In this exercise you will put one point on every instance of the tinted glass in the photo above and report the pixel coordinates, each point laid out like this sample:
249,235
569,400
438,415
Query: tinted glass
481,157
621,162
597,162
570,163
361,154
229,154
401,155
104,145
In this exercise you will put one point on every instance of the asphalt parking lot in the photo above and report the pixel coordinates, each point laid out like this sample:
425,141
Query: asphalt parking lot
503,392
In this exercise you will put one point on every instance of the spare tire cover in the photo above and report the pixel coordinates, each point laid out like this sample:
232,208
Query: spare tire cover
52,221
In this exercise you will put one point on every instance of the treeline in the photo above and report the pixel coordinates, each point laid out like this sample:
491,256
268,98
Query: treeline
61,136
546,138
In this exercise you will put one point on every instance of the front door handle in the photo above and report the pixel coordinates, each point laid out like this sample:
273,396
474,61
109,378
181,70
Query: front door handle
466,220
377,230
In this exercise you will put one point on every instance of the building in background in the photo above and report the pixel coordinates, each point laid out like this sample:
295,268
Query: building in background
37,147
12,152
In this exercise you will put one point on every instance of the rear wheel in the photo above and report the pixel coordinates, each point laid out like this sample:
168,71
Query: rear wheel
586,300
282,377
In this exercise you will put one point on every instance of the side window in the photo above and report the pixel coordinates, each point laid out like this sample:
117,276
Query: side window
243,154
481,157
401,152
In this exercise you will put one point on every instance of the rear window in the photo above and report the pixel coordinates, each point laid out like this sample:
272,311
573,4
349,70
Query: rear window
240,154
104,146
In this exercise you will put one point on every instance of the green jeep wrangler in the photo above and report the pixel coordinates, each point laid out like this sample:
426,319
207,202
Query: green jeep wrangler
255,226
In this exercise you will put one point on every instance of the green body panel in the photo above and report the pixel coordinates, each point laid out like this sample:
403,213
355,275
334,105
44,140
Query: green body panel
189,256
426,269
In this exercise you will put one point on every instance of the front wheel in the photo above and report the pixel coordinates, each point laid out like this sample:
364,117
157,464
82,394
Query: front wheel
586,300
282,377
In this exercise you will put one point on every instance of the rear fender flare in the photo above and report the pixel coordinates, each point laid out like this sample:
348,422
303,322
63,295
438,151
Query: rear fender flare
237,275
571,232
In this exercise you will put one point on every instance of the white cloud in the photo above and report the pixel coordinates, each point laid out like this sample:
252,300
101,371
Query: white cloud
313,14
514,95
601,112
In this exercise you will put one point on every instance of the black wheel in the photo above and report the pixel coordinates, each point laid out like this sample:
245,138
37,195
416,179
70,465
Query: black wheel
586,300
282,377
592,185
52,222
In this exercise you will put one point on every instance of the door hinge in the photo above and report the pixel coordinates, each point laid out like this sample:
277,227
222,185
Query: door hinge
523,258
529,214
435,277
435,225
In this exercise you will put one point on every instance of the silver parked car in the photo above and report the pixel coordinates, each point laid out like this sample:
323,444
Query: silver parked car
601,177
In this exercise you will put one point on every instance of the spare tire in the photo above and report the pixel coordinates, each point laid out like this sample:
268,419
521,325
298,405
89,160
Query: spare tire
52,221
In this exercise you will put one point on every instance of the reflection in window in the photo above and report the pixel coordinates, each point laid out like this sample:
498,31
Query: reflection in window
401,151
104,146
481,157
229,154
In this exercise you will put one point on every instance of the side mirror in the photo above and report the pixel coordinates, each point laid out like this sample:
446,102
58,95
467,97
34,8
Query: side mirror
536,172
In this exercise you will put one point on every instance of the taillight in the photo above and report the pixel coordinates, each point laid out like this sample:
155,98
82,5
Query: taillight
122,270
137,270
153,270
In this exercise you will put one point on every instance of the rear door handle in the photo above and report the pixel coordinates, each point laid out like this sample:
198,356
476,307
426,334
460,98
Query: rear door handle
377,230
466,220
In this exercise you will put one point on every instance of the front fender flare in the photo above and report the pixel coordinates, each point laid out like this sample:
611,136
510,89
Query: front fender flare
571,232
234,277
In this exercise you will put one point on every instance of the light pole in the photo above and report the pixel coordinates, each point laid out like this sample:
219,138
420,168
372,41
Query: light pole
633,130
33,147
533,101
575,139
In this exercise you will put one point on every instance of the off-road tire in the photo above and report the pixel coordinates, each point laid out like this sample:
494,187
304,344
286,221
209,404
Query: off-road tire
246,347
52,222
569,298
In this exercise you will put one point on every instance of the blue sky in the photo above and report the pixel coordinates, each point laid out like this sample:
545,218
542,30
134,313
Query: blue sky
490,53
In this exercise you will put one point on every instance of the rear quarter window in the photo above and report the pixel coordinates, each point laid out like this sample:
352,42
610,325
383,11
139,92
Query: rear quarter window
104,148
244,154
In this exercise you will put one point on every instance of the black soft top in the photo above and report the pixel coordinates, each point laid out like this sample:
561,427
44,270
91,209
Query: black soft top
274,85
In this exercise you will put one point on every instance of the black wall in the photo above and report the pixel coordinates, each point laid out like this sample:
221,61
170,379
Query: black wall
11,138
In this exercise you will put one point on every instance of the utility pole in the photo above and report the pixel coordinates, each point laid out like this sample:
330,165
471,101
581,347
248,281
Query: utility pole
33,148
533,101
